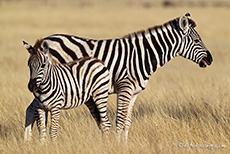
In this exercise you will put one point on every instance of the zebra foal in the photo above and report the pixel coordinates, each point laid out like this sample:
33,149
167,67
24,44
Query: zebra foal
64,86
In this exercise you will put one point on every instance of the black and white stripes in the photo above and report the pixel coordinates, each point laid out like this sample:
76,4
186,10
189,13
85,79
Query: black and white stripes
63,86
132,59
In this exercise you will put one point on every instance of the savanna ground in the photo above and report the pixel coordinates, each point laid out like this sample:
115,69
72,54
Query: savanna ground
184,109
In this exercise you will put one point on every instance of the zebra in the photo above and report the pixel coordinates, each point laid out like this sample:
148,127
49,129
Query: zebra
64,86
131,60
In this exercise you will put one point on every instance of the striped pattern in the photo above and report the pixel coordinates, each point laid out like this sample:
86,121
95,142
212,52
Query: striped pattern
64,86
132,59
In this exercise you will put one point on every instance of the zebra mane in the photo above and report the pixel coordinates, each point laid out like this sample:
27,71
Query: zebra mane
192,22
37,45
174,23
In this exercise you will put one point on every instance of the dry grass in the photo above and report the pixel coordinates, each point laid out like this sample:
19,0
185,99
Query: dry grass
183,104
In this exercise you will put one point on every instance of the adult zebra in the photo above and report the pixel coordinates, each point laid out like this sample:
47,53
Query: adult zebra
131,60
63,86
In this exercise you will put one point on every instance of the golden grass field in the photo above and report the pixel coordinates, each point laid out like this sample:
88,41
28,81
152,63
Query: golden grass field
184,109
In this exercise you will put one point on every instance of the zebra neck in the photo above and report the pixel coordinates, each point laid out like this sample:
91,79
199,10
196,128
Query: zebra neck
46,83
156,46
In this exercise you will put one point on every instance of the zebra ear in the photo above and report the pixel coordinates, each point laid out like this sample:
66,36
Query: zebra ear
188,15
184,24
28,47
46,47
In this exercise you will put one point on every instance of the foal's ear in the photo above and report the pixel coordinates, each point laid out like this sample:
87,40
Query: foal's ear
46,47
28,47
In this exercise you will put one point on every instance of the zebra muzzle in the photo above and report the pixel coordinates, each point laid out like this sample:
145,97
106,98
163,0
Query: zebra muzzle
207,60
32,86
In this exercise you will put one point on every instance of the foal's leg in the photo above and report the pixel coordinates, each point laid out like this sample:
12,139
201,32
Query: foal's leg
101,104
41,123
31,116
93,110
55,114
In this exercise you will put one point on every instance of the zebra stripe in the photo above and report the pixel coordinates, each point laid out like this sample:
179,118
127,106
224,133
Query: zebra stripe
63,86
132,59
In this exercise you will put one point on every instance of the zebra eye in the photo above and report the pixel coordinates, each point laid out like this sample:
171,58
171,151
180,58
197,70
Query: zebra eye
196,41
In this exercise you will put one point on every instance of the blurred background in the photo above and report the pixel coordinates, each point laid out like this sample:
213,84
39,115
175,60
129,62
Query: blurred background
181,104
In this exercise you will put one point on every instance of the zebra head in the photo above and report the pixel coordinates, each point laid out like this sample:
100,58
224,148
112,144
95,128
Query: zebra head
37,63
193,47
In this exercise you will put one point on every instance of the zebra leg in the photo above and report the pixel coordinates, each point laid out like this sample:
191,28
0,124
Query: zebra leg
41,123
55,114
128,118
93,110
101,104
31,116
124,96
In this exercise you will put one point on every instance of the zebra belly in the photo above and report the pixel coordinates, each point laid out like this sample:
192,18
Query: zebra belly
73,104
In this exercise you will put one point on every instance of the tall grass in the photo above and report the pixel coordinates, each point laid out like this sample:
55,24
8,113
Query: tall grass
184,109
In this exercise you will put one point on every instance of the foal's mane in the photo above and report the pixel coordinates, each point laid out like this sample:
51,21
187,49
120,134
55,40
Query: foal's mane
39,47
